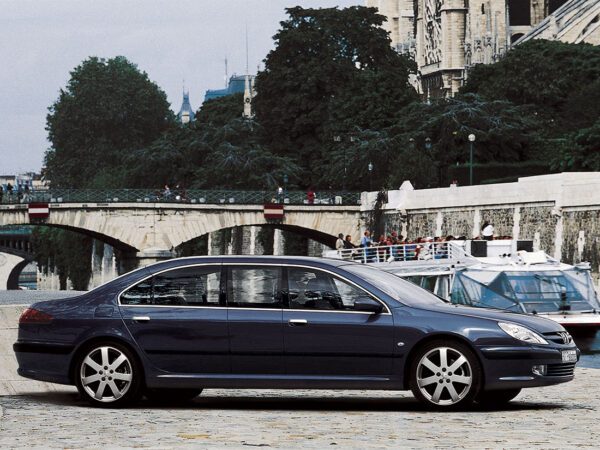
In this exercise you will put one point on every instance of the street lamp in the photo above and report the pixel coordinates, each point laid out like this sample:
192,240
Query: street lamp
471,141
370,167
285,182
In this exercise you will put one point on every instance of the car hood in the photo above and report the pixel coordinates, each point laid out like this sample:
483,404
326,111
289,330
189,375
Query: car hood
535,323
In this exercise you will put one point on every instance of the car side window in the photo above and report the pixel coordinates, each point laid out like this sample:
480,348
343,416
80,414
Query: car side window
138,294
254,287
188,286
314,289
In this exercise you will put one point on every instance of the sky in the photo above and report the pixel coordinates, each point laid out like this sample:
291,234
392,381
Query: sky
41,41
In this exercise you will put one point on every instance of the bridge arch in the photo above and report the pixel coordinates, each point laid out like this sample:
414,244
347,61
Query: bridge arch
147,227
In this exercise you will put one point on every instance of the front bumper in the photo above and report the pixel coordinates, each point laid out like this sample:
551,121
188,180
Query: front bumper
512,367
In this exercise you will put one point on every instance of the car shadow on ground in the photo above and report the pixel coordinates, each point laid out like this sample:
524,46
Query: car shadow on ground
288,403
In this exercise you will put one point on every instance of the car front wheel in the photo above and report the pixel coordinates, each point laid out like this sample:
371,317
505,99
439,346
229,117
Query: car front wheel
108,375
445,375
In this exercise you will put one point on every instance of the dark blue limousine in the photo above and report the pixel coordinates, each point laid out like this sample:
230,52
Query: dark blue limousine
169,330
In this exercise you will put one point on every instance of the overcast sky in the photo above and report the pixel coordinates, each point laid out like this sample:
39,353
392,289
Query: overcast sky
41,41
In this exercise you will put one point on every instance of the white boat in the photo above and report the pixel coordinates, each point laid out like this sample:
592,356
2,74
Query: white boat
500,277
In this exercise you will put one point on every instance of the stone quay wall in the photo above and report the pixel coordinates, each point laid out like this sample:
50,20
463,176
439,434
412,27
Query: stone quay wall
559,212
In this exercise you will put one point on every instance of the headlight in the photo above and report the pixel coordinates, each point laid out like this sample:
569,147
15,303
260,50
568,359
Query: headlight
522,333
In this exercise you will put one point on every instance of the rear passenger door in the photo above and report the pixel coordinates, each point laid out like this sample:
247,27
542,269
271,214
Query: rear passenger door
254,308
179,319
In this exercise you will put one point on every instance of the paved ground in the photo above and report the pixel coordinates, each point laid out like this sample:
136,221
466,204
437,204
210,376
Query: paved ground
565,416
30,296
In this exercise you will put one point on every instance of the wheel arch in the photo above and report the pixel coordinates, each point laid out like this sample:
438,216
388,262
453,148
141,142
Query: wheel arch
435,337
85,345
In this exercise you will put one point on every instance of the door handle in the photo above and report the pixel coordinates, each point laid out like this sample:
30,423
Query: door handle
141,318
297,322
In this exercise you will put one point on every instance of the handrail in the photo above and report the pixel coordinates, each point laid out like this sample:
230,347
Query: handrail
421,251
195,196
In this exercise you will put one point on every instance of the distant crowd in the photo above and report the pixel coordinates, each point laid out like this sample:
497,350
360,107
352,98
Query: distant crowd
399,248
10,194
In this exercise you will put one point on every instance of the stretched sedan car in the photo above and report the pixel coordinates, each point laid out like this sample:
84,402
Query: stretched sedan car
171,329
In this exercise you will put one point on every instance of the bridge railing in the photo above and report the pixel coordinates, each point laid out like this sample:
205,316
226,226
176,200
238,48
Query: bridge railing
196,196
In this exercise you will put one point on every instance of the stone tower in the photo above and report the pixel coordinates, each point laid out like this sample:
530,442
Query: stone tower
186,113
447,37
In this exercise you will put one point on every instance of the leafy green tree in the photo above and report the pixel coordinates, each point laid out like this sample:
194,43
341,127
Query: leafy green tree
579,151
331,71
218,112
560,79
107,109
431,137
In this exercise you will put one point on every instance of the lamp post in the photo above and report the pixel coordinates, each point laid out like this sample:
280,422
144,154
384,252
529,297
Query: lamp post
337,138
471,141
370,167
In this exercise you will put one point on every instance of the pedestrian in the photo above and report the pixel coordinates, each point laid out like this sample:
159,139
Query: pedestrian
339,244
310,196
167,192
1,193
279,194
9,190
487,231
348,242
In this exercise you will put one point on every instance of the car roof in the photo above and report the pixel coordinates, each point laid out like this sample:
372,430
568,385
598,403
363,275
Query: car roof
245,259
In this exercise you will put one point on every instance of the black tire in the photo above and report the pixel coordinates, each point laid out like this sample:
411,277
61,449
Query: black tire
493,399
108,375
453,385
171,396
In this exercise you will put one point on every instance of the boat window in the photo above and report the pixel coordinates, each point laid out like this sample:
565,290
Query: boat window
471,291
529,291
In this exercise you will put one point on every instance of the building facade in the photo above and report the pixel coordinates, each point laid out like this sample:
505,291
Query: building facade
447,37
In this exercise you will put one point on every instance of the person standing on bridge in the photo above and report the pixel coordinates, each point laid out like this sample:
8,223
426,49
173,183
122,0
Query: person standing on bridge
279,194
9,189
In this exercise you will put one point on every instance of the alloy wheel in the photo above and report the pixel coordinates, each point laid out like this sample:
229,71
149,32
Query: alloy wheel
444,376
106,374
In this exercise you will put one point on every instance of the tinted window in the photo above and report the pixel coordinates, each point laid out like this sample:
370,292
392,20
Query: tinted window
255,287
140,294
189,286
314,289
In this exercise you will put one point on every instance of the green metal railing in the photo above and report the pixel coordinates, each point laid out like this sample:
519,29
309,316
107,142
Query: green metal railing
194,196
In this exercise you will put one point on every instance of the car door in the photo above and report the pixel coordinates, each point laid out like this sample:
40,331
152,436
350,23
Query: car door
254,311
324,335
179,319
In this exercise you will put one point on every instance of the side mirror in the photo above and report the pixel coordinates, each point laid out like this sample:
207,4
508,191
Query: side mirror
368,304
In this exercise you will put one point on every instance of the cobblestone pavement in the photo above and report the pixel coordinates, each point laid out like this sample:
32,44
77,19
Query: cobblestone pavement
564,416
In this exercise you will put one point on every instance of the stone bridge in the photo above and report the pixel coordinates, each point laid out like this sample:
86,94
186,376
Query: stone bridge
151,231
15,253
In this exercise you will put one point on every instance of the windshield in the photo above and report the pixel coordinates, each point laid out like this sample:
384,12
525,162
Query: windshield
533,292
397,288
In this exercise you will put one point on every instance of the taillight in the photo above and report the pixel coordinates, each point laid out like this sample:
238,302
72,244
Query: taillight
31,315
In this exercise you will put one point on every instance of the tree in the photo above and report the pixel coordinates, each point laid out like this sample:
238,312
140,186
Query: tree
331,71
431,137
560,79
107,109
579,151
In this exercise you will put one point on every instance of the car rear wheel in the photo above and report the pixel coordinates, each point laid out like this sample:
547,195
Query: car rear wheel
490,399
171,396
445,375
108,375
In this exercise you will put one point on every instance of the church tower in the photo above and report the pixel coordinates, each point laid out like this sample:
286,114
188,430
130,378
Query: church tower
248,95
186,113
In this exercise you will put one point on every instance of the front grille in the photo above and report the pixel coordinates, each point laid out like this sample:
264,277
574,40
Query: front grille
558,337
560,370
